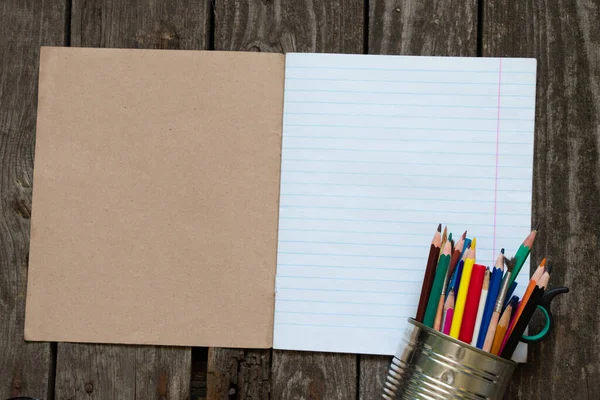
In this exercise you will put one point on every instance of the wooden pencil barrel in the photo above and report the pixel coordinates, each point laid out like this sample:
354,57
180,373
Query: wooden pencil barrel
431,365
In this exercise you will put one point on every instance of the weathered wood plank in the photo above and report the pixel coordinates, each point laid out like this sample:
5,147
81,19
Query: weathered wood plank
238,374
122,372
299,26
307,375
291,26
145,24
26,368
565,39
427,28
110,371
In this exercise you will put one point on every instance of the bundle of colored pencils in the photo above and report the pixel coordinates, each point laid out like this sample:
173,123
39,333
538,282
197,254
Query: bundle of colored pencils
473,303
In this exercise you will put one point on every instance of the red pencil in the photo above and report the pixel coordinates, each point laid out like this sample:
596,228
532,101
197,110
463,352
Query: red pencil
472,303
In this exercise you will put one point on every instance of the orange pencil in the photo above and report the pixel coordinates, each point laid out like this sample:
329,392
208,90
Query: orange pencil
532,284
501,330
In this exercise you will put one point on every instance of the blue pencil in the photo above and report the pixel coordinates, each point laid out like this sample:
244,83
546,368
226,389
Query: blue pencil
455,280
489,305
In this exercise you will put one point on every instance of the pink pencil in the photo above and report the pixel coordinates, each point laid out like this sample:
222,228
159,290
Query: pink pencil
448,312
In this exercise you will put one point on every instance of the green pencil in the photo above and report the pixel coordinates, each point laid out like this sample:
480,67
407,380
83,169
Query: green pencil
436,289
522,254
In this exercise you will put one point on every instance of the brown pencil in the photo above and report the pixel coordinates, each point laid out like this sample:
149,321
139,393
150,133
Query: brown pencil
434,253
458,249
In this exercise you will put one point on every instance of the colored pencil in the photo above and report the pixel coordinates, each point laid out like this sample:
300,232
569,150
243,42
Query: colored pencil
455,277
481,306
437,323
501,329
540,270
434,252
472,303
523,253
495,282
456,252
443,241
436,288
521,325
491,333
509,294
461,294
448,312
456,255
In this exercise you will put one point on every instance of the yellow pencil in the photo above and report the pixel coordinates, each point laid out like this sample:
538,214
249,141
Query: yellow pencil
463,288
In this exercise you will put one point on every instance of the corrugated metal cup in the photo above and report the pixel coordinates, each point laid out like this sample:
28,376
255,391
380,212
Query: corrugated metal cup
429,365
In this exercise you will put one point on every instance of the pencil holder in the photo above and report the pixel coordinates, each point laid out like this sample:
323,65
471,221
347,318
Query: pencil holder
430,365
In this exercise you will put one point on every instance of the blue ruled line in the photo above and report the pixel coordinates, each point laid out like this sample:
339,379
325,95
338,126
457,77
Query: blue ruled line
455,153
429,117
346,302
341,314
406,186
401,81
395,174
404,210
396,222
362,244
407,128
404,198
494,107
350,267
409,163
335,278
347,255
340,326
388,233
346,290
411,93
397,139
485,71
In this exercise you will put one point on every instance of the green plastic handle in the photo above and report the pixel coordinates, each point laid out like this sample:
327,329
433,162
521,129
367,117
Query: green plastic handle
539,336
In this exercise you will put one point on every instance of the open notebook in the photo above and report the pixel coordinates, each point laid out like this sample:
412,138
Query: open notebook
376,151
171,207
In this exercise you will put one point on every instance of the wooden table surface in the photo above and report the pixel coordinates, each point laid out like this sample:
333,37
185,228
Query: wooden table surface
564,36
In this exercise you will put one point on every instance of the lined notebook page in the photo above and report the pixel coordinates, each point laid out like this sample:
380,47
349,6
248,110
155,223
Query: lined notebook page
377,150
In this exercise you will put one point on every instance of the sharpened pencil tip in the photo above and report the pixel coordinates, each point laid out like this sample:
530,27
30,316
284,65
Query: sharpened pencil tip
439,229
502,251
548,268
543,262
450,237
536,227
474,243
464,236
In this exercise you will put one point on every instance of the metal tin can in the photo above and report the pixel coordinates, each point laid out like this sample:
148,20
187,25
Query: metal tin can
429,365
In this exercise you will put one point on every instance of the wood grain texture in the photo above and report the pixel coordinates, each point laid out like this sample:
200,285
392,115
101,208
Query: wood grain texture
122,372
423,27
373,371
415,27
314,376
334,26
26,368
145,24
290,26
238,374
564,37
111,371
